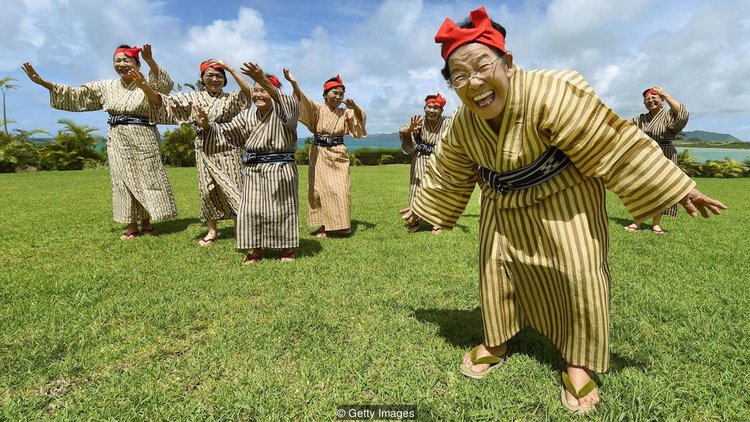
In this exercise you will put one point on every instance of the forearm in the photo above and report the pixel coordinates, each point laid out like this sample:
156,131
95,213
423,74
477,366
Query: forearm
153,66
244,85
153,96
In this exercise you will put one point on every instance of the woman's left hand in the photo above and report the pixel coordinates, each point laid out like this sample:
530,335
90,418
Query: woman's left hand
696,201
146,53
349,103
137,77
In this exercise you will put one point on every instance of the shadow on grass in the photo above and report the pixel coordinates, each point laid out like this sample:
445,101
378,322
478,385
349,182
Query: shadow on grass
463,329
174,226
621,221
365,225
308,248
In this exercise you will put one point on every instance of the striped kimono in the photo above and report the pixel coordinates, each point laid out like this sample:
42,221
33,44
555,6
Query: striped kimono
329,201
219,167
543,250
663,128
267,216
426,135
140,188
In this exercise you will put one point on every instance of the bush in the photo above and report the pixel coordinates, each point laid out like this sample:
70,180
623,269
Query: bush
376,157
725,169
302,155
16,152
74,148
179,146
689,164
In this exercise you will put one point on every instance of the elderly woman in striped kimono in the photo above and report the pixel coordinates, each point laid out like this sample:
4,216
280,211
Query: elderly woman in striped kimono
419,137
219,166
140,188
267,216
662,126
329,204
543,147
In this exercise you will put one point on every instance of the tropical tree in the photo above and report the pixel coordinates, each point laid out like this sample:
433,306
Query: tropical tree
746,163
689,164
179,146
73,148
724,169
5,85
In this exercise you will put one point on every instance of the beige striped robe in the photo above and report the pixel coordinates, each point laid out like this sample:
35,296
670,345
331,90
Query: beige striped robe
427,135
267,216
219,167
140,188
543,250
664,126
329,201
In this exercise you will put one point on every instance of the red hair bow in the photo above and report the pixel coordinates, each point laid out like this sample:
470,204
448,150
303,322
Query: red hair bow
333,84
210,63
438,100
129,52
451,36
275,81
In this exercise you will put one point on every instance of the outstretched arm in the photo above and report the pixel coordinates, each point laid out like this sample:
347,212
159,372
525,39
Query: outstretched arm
34,76
140,80
297,91
148,57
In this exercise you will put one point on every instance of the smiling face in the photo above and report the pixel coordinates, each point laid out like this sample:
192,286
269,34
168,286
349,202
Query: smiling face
123,64
214,80
334,97
261,98
432,112
653,103
486,92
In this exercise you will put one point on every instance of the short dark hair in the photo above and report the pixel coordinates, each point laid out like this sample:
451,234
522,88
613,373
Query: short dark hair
334,79
137,61
467,24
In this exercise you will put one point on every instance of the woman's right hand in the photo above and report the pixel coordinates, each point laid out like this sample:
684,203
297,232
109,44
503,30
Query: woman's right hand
415,124
32,74
201,118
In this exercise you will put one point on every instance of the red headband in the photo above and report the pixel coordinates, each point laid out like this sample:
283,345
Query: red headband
275,81
438,100
452,37
333,84
129,52
210,63
650,91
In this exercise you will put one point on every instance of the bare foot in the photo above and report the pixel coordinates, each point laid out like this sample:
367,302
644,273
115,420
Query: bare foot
632,227
482,351
580,377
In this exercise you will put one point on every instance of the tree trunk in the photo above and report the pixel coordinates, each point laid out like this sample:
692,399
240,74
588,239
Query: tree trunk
5,118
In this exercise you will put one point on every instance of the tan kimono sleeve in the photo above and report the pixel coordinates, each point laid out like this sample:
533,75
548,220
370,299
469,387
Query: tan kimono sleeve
162,82
87,97
235,132
175,109
407,141
447,184
600,144
354,126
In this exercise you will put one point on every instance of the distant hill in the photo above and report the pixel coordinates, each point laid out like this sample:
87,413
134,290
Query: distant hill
709,136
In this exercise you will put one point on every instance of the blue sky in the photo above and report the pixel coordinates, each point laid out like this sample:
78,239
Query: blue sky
699,51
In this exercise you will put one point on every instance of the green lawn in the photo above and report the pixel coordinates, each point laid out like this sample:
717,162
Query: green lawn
92,327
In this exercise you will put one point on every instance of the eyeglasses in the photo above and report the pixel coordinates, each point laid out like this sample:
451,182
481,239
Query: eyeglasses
216,76
459,80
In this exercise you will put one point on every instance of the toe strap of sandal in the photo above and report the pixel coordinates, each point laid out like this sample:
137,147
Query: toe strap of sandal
489,360
578,394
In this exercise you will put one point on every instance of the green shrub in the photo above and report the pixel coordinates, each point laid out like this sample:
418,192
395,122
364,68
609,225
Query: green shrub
16,152
179,146
724,169
74,148
689,164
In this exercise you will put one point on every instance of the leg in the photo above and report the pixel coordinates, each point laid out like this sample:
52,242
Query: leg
212,235
254,256
657,225
131,231
287,255
579,377
147,228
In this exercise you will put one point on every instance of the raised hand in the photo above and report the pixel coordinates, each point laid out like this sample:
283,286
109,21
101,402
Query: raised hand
146,53
201,118
349,103
253,70
289,77
32,73
223,64
415,123
696,201
137,77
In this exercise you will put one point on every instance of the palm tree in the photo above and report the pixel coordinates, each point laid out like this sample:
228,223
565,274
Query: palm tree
74,146
197,86
5,85
689,164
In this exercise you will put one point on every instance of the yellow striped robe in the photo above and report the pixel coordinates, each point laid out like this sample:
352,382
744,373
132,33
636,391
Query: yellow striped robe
427,135
329,201
664,126
269,207
543,250
219,167
140,188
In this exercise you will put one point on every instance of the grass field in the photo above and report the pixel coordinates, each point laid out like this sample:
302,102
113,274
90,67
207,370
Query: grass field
92,327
